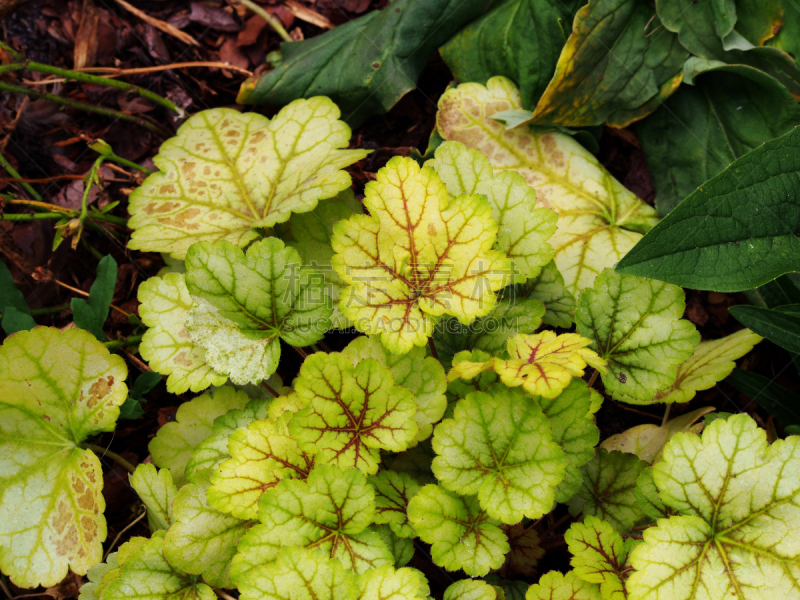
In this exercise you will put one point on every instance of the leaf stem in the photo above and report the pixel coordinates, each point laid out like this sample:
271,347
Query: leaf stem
99,110
303,354
270,389
112,455
593,378
36,312
432,346
132,340
15,175
223,594
666,415
273,22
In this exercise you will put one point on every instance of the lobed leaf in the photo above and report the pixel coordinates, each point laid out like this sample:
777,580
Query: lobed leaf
245,303
525,551
157,491
548,287
598,219
420,255
555,586
226,173
600,556
351,413
470,589
463,536
647,498
393,491
387,583
56,389
636,326
501,448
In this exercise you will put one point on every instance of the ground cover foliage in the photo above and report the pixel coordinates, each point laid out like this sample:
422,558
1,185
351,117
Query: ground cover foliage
430,299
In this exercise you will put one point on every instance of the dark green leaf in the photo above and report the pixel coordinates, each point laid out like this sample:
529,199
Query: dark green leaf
737,231
19,318
780,292
15,320
788,38
365,66
775,399
782,328
704,127
520,39
132,408
791,309
613,68
91,314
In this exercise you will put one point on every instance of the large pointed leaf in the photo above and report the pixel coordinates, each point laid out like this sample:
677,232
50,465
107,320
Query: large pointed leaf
420,255
598,219
501,448
738,503
56,389
245,303
636,326
227,173
351,413
736,232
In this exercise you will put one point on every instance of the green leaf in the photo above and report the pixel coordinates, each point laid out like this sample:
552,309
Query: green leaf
330,511
648,440
738,503
91,314
310,234
96,576
145,382
600,556
387,583
774,398
779,292
647,498
402,549
16,314
543,363
737,231
636,326
213,450
202,541
351,412
299,574
167,347
415,462
462,535
525,550
470,589
555,586
419,255
245,303
522,229
148,576
501,448
261,455
711,362
572,421
607,492
519,39
226,173
393,491
548,287
194,422
56,389
598,219
782,328
157,491
362,77
612,69
704,127
415,371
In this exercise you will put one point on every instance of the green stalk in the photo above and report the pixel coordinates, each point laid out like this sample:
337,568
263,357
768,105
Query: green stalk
113,456
99,110
92,216
13,173
272,21
129,341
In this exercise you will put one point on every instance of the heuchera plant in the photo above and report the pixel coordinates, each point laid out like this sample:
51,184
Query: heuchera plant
455,420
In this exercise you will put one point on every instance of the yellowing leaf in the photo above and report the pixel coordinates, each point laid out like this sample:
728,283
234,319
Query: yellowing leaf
543,363
470,589
386,583
351,412
194,422
421,374
648,440
711,362
522,229
261,455
555,586
418,256
166,346
739,504
226,173
598,219
599,555
157,491
56,389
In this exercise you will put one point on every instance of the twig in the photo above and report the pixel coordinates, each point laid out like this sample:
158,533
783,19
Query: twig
86,294
121,533
633,410
272,21
5,589
208,64
99,110
64,212
158,24
113,456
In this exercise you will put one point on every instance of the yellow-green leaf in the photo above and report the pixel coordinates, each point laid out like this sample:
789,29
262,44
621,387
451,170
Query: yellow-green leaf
226,173
598,219
555,586
157,491
419,255
56,389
